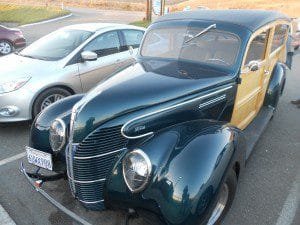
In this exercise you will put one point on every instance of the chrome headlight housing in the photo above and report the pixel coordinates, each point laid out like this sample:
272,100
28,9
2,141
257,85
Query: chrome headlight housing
57,135
136,170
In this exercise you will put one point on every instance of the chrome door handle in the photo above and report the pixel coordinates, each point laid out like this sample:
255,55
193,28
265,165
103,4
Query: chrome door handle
118,60
266,72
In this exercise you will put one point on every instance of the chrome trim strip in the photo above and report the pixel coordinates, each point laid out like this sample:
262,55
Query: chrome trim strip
168,108
94,202
97,156
212,101
86,182
69,160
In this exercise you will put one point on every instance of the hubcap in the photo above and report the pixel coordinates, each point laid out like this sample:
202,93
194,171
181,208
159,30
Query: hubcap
220,205
50,100
5,48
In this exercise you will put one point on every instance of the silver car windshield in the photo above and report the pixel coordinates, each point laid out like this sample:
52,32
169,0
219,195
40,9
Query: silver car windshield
196,44
56,45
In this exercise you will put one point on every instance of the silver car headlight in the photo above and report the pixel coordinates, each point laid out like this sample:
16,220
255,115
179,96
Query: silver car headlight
57,136
136,170
9,86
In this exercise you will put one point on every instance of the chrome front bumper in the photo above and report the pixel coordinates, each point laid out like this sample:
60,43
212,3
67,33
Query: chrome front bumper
52,200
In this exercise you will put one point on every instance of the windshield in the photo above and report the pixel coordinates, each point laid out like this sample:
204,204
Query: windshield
56,45
191,43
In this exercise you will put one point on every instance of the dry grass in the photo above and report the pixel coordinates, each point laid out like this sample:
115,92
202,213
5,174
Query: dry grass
106,4
289,7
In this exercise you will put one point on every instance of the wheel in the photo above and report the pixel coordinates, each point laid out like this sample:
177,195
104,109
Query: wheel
47,98
225,199
5,47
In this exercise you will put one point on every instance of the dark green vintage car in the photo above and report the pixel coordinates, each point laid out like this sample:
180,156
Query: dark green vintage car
171,133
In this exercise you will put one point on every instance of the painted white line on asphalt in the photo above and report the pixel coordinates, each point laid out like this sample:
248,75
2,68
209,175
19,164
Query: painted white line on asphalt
5,218
291,204
47,21
11,159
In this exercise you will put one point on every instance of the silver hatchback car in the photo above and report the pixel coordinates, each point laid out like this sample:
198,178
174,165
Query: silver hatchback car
70,60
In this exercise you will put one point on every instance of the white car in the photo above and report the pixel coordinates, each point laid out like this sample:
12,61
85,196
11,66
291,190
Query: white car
70,60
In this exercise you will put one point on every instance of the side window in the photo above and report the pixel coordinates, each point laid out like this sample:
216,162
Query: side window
133,37
105,44
279,36
257,48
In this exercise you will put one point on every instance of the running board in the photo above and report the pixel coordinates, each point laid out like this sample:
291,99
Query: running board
255,129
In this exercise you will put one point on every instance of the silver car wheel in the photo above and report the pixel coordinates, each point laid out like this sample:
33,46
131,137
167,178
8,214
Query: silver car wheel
5,48
50,100
220,205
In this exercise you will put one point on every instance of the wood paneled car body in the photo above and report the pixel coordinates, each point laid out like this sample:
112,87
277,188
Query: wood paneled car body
171,133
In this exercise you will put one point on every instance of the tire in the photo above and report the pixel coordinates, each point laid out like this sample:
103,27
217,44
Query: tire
231,184
47,98
5,47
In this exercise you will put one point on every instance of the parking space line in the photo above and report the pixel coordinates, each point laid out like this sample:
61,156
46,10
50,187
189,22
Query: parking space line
5,218
291,204
13,158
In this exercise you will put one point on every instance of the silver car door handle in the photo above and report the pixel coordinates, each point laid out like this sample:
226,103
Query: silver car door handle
118,60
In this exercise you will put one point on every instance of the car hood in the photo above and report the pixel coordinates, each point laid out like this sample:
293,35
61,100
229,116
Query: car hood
143,85
14,66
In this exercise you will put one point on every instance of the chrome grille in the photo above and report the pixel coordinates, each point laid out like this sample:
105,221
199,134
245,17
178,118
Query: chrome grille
91,161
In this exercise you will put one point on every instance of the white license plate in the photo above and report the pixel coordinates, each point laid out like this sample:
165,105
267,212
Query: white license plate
39,158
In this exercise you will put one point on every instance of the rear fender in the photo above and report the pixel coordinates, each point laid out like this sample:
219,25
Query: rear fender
276,85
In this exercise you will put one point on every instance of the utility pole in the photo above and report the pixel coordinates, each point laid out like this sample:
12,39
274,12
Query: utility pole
149,10
162,7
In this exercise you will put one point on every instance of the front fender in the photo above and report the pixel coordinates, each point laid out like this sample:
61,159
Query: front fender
39,135
189,161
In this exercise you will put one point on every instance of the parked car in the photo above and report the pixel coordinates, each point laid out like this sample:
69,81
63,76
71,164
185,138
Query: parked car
10,39
169,136
68,61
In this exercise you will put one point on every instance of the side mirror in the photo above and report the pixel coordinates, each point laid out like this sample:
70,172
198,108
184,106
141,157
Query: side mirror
253,65
130,48
88,56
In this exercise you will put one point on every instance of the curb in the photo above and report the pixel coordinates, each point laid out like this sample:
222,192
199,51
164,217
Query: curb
5,219
48,21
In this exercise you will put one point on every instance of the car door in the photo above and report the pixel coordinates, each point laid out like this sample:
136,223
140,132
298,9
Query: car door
250,93
107,48
130,39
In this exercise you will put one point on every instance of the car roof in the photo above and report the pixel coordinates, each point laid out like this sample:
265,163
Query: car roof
250,19
93,27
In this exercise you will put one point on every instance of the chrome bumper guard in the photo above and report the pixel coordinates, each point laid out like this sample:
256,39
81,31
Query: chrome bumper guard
52,200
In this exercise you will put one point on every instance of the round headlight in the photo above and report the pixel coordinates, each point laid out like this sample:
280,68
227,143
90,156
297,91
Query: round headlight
136,170
57,135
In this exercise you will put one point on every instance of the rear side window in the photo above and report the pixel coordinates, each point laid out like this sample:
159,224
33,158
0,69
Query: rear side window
257,47
105,44
133,37
279,36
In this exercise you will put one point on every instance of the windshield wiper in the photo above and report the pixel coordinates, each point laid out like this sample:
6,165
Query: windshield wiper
213,26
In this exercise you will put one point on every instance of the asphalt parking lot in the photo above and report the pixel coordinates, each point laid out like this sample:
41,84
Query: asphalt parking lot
268,191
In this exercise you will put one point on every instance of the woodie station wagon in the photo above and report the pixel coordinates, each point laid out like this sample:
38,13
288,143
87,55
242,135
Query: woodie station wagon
169,135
